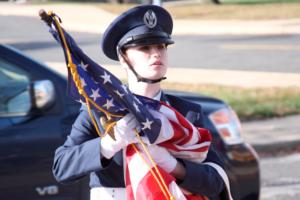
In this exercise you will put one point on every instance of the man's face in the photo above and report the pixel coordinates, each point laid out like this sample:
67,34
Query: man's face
149,61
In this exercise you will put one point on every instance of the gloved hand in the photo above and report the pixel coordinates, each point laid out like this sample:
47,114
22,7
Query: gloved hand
124,135
162,157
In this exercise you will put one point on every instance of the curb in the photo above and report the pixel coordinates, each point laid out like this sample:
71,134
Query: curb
278,148
274,136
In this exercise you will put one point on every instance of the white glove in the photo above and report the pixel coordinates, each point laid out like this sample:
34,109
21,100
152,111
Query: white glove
124,135
162,157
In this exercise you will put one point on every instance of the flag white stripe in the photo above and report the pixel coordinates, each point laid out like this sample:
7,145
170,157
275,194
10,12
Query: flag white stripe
195,136
169,113
193,146
176,191
166,131
138,175
172,116
197,157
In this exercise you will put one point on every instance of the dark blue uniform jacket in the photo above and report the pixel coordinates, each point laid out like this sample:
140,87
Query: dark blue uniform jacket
80,156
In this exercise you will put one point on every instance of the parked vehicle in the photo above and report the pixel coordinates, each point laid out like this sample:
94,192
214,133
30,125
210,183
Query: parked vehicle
36,116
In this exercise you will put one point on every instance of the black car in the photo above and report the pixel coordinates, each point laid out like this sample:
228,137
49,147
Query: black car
36,116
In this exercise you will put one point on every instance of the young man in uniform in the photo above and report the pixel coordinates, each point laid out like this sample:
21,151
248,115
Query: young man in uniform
138,39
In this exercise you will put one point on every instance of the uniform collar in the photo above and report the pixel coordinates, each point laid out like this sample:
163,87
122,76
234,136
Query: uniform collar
158,96
161,97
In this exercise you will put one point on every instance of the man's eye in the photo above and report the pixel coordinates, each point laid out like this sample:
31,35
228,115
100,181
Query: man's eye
161,46
144,48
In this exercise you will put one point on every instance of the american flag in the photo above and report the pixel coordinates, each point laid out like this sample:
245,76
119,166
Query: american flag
183,140
177,134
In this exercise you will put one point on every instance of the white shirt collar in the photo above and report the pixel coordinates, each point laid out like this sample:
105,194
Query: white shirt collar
158,96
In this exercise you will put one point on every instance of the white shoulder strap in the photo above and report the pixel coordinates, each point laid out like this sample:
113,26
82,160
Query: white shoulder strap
223,174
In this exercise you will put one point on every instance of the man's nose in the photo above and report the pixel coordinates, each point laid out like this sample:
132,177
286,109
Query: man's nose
155,51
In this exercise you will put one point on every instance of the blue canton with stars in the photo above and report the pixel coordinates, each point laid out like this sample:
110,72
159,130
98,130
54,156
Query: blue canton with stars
107,91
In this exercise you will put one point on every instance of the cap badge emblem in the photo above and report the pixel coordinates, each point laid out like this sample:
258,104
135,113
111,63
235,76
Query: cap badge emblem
150,19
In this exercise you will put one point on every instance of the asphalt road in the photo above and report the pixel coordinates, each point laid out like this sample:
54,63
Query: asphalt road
280,178
276,53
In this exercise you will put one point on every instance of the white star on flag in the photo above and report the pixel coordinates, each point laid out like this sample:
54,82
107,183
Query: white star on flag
80,101
125,88
94,81
122,109
136,107
109,103
106,78
95,94
137,99
83,83
84,66
119,94
147,124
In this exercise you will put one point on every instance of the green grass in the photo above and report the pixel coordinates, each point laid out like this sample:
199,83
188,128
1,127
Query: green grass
250,103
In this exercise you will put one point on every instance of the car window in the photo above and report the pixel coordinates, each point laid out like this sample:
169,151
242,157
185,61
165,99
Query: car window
14,90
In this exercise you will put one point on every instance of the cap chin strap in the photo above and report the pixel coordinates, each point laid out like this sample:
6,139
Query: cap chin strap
139,77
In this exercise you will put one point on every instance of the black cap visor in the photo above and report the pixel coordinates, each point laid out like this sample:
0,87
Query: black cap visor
146,39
